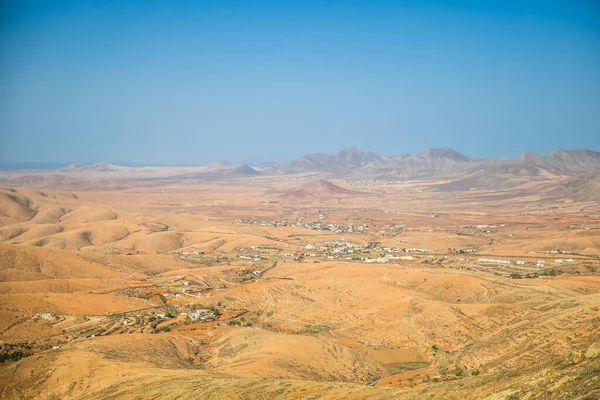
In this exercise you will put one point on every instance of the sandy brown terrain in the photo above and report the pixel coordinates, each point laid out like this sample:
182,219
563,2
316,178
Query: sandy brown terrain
286,286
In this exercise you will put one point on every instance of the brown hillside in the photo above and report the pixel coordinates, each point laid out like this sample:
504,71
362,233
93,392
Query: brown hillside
321,188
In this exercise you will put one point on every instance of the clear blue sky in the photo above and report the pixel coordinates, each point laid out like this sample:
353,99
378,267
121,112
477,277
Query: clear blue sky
190,82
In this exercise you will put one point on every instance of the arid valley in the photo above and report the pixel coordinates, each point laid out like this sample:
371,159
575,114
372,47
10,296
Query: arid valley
341,276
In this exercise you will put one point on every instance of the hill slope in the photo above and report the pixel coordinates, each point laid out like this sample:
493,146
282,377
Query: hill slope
320,189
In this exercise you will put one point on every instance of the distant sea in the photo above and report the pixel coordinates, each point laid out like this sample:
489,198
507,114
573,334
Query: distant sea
4,166
30,165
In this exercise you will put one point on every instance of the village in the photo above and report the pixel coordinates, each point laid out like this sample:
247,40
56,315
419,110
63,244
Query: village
315,226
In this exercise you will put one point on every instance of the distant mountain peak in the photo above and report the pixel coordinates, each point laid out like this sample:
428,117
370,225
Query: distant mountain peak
245,169
220,165
444,153
72,167
529,157
347,159
350,150
101,166
320,188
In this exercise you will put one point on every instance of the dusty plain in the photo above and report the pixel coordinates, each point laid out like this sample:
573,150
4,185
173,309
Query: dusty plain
291,287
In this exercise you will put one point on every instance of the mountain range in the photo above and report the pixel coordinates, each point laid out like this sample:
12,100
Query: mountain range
461,171
442,162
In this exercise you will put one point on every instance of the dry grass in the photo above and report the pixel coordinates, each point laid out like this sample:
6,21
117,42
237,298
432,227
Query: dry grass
99,262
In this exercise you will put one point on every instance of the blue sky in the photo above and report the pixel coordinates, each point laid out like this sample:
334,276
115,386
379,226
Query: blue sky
191,82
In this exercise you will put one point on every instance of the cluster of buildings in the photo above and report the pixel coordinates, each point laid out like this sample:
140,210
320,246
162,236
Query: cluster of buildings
250,258
559,260
542,263
494,261
369,253
202,315
315,226
558,252
539,263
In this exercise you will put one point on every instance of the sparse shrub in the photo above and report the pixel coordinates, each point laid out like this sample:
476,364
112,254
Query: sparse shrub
588,371
201,365
249,325
15,355
435,347
314,328
234,322
86,236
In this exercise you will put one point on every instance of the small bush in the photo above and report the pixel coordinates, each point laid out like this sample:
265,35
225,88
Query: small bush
314,328
588,371
15,355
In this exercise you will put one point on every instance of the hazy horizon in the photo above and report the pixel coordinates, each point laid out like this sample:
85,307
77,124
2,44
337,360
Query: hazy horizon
56,165
189,83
